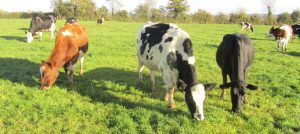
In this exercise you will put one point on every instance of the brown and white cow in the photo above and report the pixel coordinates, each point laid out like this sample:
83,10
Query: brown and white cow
282,35
168,49
71,45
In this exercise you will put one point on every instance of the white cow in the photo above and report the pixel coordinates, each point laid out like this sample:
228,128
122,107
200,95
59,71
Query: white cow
168,49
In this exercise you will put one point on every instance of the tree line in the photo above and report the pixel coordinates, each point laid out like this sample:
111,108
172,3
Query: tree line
175,11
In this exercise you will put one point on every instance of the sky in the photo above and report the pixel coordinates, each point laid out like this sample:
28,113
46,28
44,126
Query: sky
213,6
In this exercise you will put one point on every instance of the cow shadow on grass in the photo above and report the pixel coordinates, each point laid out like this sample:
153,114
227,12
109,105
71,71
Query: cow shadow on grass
118,86
16,38
263,39
20,71
293,53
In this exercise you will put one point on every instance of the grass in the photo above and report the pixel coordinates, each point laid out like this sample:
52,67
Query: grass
106,100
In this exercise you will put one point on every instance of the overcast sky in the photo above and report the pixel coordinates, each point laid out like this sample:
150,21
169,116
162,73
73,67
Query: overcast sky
213,6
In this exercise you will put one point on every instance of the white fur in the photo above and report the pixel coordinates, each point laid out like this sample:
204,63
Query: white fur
29,37
198,94
67,33
42,70
191,60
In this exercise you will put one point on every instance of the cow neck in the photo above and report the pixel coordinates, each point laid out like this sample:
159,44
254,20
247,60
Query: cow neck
186,72
57,58
238,63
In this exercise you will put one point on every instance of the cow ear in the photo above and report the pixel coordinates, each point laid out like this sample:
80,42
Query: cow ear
226,85
181,84
209,87
252,87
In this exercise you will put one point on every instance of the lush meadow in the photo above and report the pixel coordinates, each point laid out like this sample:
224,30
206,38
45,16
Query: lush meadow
106,99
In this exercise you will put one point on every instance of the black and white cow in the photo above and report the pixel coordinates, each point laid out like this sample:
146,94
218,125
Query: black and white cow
40,24
245,25
234,55
100,21
168,49
296,29
72,20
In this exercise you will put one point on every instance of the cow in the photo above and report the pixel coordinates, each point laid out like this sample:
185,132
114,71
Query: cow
40,24
296,29
71,44
100,21
168,49
282,35
247,26
72,20
234,55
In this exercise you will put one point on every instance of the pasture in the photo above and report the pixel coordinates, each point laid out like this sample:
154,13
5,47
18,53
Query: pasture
106,99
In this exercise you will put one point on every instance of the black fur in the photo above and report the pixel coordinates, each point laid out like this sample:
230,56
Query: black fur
155,32
169,39
188,47
72,20
160,48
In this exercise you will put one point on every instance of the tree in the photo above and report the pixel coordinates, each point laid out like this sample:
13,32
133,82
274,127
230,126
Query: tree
295,16
177,7
256,19
102,12
157,15
142,12
243,16
221,18
284,18
122,15
115,6
269,5
202,16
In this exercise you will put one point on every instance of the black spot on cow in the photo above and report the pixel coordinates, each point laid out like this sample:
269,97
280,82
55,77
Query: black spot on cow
171,60
151,57
147,57
187,72
153,35
190,101
169,39
160,48
188,47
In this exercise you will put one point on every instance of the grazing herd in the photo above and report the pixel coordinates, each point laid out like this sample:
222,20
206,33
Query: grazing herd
163,48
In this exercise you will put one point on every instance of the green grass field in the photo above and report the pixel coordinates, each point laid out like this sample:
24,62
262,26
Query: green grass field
106,100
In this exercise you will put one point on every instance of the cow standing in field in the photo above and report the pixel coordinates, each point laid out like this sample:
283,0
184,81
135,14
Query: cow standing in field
40,24
100,21
71,45
234,55
72,20
296,29
168,49
245,25
282,35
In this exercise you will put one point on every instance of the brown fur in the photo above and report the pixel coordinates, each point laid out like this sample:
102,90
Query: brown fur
66,49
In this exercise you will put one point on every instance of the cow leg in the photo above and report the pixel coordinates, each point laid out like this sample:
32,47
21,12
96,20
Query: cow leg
81,65
40,35
245,99
171,96
71,75
66,71
51,34
152,77
224,75
140,71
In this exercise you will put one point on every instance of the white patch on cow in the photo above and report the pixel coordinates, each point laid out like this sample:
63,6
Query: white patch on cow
67,33
42,70
198,94
29,37
191,60
52,27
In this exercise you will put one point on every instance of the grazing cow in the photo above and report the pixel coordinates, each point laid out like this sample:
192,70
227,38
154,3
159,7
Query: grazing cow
282,35
100,21
40,24
71,45
234,55
168,49
296,29
72,20
245,25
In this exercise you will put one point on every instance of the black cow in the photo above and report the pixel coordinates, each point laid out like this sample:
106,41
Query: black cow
40,24
72,20
100,21
234,55
296,29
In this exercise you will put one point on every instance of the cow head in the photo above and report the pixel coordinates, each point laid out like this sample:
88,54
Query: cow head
195,97
48,75
270,34
238,92
29,36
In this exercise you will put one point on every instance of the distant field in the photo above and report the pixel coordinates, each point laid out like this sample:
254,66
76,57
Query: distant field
106,100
